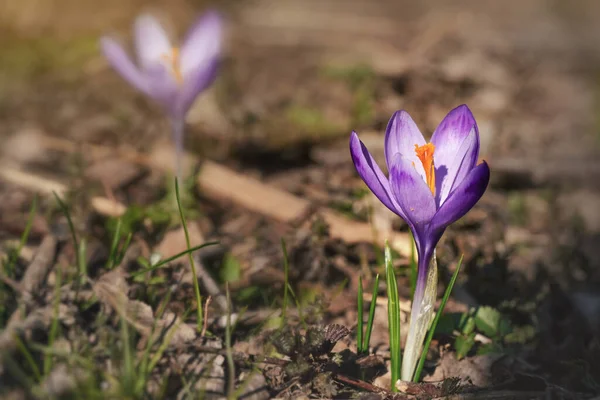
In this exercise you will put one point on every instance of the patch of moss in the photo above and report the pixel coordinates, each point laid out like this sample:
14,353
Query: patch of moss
311,121
361,81
517,209
29,58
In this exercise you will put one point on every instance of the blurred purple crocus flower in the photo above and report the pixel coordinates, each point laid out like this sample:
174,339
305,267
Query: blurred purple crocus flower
430,186
171,75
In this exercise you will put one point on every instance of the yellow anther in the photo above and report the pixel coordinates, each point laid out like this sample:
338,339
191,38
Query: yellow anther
172,59
425,154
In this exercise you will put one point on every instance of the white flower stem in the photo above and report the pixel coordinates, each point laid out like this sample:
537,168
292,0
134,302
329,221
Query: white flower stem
421,317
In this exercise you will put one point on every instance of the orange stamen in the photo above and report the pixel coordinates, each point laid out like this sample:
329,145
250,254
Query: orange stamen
173,60
425,154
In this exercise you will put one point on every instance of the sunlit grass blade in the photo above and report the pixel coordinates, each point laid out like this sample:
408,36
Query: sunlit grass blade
163,342
164,262
359,317
438,315
228,349
82,268
121,253
28,357
286,270
81,260
393,317
128,371
112,255
24,236
298,306
54,324
367,339
413,265
200,317
65,210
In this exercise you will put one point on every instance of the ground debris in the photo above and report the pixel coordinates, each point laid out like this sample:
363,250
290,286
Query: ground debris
112,290
447,387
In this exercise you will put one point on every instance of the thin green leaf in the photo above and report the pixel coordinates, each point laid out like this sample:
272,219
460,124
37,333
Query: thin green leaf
28,357
359,316
124,248
228,349
112,255
128,377
367,339
393,317
25,235
54,325
298,306
191,259
162,263
81,260
65,210
286,270
438,315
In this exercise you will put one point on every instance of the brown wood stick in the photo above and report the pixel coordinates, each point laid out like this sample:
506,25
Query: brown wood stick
223,183
101,205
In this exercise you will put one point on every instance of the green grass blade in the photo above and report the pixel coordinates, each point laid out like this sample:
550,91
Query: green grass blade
168,260
359,317
54,324
367,338
121,253
393,317
298,306
129,373
28,357
438,315
228,349
25,235
112,255
200,317
81,261
65,210
286,270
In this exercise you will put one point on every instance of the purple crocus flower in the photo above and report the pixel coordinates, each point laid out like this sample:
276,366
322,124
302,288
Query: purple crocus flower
173,76
430,186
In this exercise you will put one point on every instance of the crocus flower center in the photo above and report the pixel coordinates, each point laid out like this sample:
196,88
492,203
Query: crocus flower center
172,59
425,154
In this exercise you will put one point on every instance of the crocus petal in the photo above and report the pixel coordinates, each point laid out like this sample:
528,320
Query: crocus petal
370,172
196,83
450,134
401,136
463,197
449,175
411,192
121,62
201,46
151,42
163,87
199,59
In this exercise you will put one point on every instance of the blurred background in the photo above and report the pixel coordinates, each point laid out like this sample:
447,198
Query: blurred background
298,76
